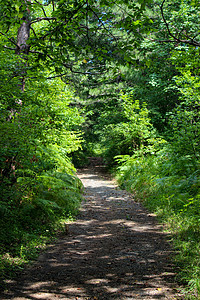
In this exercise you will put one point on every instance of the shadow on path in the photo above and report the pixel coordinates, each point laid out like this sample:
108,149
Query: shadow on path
115,250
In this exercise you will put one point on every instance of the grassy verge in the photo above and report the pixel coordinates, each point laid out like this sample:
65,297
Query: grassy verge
164,186
31,217
27,249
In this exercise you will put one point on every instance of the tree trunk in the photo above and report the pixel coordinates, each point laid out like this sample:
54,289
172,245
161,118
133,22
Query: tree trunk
22,48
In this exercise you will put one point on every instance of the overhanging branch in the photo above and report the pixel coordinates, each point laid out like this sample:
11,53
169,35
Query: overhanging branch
190,41
42,19
9,48
9,39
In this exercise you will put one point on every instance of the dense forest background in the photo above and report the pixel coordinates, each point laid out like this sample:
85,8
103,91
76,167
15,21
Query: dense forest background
116,79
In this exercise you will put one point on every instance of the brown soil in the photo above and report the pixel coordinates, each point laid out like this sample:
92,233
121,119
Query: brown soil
115,250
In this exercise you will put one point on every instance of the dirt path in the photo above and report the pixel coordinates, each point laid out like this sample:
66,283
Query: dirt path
115,250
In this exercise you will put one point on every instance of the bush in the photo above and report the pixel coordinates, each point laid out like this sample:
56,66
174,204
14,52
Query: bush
134,135
37,179
174,194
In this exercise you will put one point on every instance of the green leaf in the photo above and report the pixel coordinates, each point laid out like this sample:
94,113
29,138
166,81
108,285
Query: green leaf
20,15
17,7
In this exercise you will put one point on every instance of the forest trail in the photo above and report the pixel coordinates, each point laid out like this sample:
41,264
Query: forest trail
115,250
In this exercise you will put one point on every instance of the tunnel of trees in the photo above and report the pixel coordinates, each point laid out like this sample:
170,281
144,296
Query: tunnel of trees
117,79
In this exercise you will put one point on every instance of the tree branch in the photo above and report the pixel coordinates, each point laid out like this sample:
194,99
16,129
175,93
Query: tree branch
190,41
53,5
9,48
13,42
167,25
44,12
38,52
33,31
55,76
102,24
42,19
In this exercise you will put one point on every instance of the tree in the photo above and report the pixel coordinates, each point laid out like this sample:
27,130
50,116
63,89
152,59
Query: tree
182,23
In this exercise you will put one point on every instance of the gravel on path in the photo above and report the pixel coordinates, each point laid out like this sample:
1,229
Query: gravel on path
114,250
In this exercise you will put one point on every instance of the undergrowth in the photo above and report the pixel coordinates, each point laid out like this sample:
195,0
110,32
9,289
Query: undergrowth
170,188
38,184
27,249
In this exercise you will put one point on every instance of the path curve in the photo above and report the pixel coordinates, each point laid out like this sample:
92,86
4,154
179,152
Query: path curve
115,250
